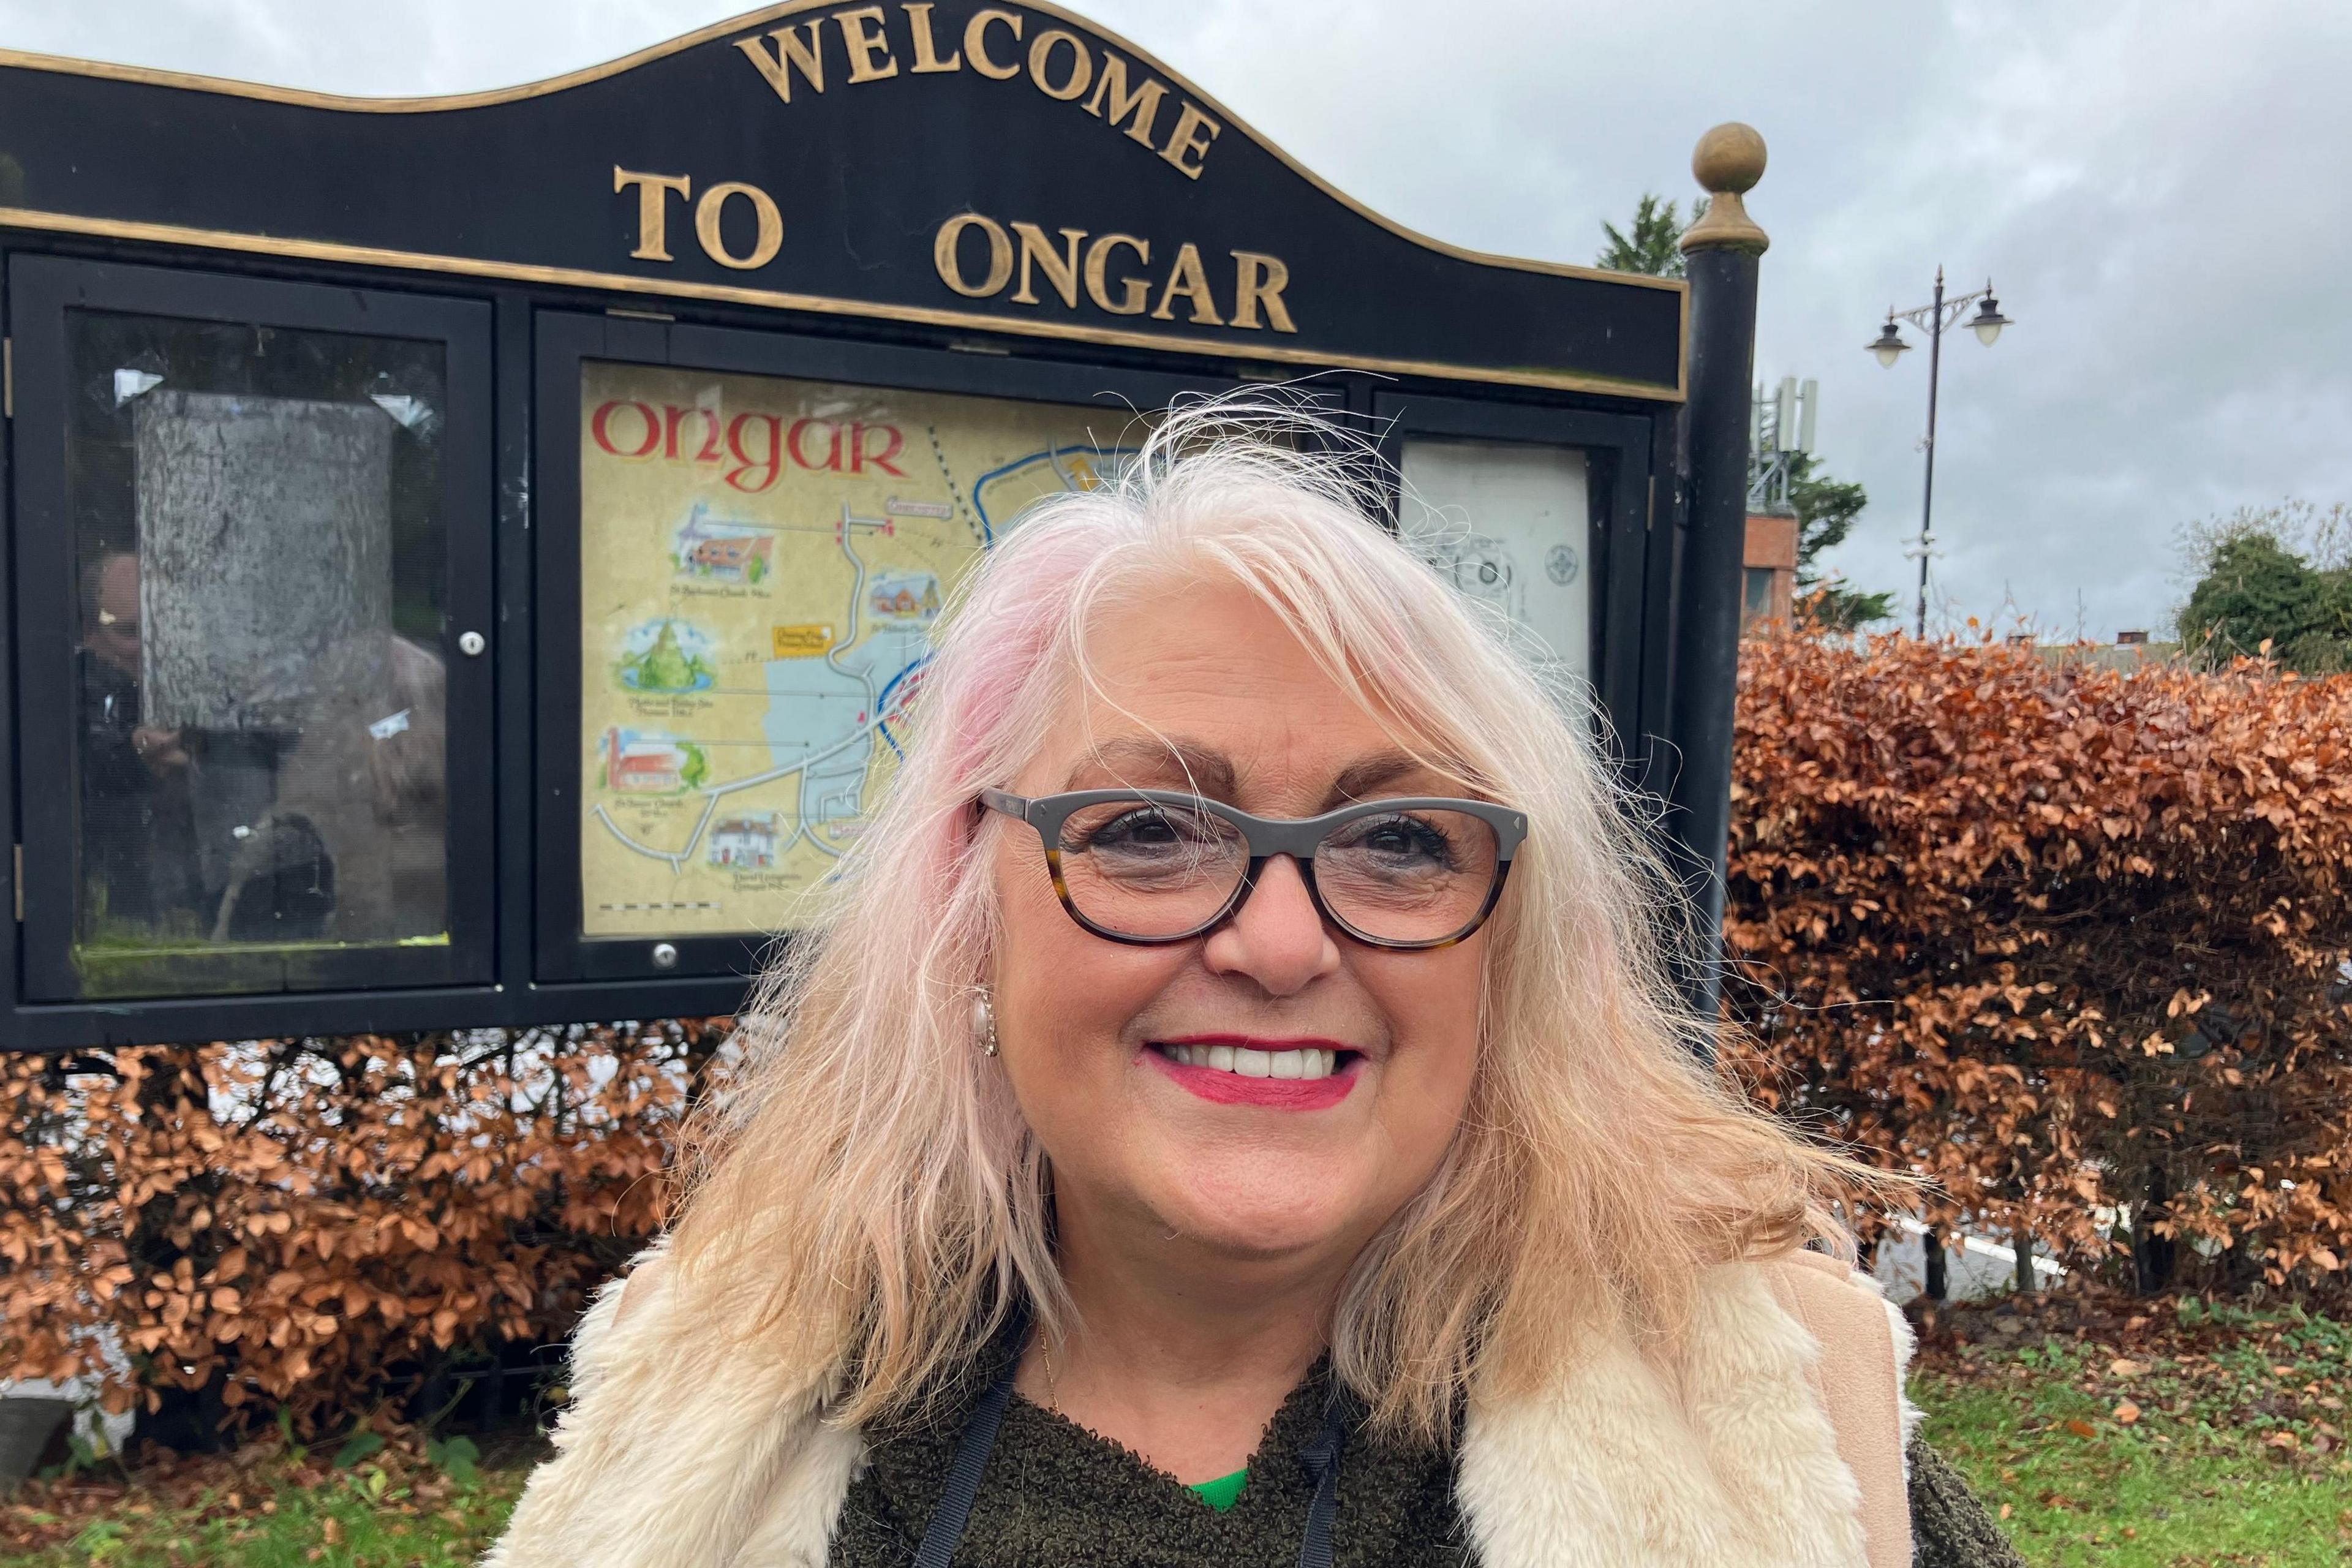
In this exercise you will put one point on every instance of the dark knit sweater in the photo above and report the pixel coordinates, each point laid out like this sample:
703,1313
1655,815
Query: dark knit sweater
1950,1529
1056,1495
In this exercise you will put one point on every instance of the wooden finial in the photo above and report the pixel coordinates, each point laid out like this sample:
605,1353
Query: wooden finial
1728,162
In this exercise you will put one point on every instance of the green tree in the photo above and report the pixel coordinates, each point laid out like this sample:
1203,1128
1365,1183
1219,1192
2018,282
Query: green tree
1654,248
1826,511
2255,589
1826,507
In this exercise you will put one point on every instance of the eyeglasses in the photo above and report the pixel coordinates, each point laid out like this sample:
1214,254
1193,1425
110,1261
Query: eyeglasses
1149,865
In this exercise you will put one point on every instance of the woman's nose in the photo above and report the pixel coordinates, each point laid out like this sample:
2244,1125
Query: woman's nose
1277,937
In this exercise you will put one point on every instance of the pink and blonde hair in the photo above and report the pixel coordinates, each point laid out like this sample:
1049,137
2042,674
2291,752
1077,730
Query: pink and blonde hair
863,1198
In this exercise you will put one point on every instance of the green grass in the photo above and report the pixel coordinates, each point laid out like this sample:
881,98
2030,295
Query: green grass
2218,1445
2177,1436
281,1517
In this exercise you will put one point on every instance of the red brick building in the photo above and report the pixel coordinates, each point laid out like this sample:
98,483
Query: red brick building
1769,586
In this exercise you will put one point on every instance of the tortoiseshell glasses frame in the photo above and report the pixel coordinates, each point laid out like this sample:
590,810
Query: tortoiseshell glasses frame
1301,838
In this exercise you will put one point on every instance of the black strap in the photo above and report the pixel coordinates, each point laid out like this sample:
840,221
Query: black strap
946,1529
1321,1458
940,1537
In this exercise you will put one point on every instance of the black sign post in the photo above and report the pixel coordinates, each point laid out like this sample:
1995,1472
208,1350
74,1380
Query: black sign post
1723,249
471,557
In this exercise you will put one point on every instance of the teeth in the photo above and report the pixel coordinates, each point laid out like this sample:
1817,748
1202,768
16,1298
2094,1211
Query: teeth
1300,1064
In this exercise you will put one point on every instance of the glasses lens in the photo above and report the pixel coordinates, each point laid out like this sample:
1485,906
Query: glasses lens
1409,875
1142,868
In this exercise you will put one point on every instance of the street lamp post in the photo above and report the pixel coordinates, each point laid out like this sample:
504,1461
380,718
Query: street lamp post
1936,318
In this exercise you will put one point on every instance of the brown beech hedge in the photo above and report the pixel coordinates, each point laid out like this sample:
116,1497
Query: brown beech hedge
2069,941
320,1225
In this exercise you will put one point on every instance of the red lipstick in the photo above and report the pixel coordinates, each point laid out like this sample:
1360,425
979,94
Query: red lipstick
1219,1087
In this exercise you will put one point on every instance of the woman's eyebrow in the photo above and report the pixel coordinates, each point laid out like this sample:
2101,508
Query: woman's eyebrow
1190,765
1360,779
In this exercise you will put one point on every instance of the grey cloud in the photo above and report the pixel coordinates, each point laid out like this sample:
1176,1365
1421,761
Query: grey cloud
2153,186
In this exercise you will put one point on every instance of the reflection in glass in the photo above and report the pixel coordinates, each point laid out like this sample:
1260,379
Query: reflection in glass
260,764
1510,524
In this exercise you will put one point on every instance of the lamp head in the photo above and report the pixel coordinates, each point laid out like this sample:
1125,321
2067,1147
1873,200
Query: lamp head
1889,345
1988,322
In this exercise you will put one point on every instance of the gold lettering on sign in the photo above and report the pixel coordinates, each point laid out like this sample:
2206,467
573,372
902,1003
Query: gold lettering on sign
1259,281
1135,293
1061,269
1071,262
975,43
1082,65
927,53
1187,141
769,239
950,268
1064,65
653,210
791,50
1189,278
863,44
1143,103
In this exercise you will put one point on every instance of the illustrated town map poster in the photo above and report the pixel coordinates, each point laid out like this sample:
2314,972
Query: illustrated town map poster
762,561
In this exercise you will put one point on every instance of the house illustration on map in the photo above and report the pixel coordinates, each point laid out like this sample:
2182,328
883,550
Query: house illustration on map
902,597
746,843
711,550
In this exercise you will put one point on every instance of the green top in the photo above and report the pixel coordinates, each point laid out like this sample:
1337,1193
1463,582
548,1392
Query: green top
1224,1491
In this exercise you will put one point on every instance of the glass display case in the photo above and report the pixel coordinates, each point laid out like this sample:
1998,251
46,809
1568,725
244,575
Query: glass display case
247,718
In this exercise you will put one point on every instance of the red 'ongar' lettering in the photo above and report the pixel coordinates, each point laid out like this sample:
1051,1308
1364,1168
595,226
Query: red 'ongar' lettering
768,464
600,428
860,457
832,449
674,418
761,445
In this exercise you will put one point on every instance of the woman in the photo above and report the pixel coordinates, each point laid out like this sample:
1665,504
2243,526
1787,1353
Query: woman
1232,1112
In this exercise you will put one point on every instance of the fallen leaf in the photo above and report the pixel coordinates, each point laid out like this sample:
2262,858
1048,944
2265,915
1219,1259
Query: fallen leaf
2082,1428
2124,1366
2126,1412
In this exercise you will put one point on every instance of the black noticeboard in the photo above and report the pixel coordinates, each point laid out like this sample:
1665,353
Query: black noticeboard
471,557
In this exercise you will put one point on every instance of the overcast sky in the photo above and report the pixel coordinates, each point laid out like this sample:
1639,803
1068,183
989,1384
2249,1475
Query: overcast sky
2157,189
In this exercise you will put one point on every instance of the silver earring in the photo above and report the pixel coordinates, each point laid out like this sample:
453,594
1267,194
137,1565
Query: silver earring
983,1022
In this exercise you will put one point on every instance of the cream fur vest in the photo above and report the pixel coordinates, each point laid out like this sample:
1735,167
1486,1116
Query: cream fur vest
1776,1442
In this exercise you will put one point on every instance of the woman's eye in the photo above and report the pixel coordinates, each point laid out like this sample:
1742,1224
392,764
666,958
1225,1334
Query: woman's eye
1404,839
1137,830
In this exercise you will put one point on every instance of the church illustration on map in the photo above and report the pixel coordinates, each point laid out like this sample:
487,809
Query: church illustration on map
707,549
